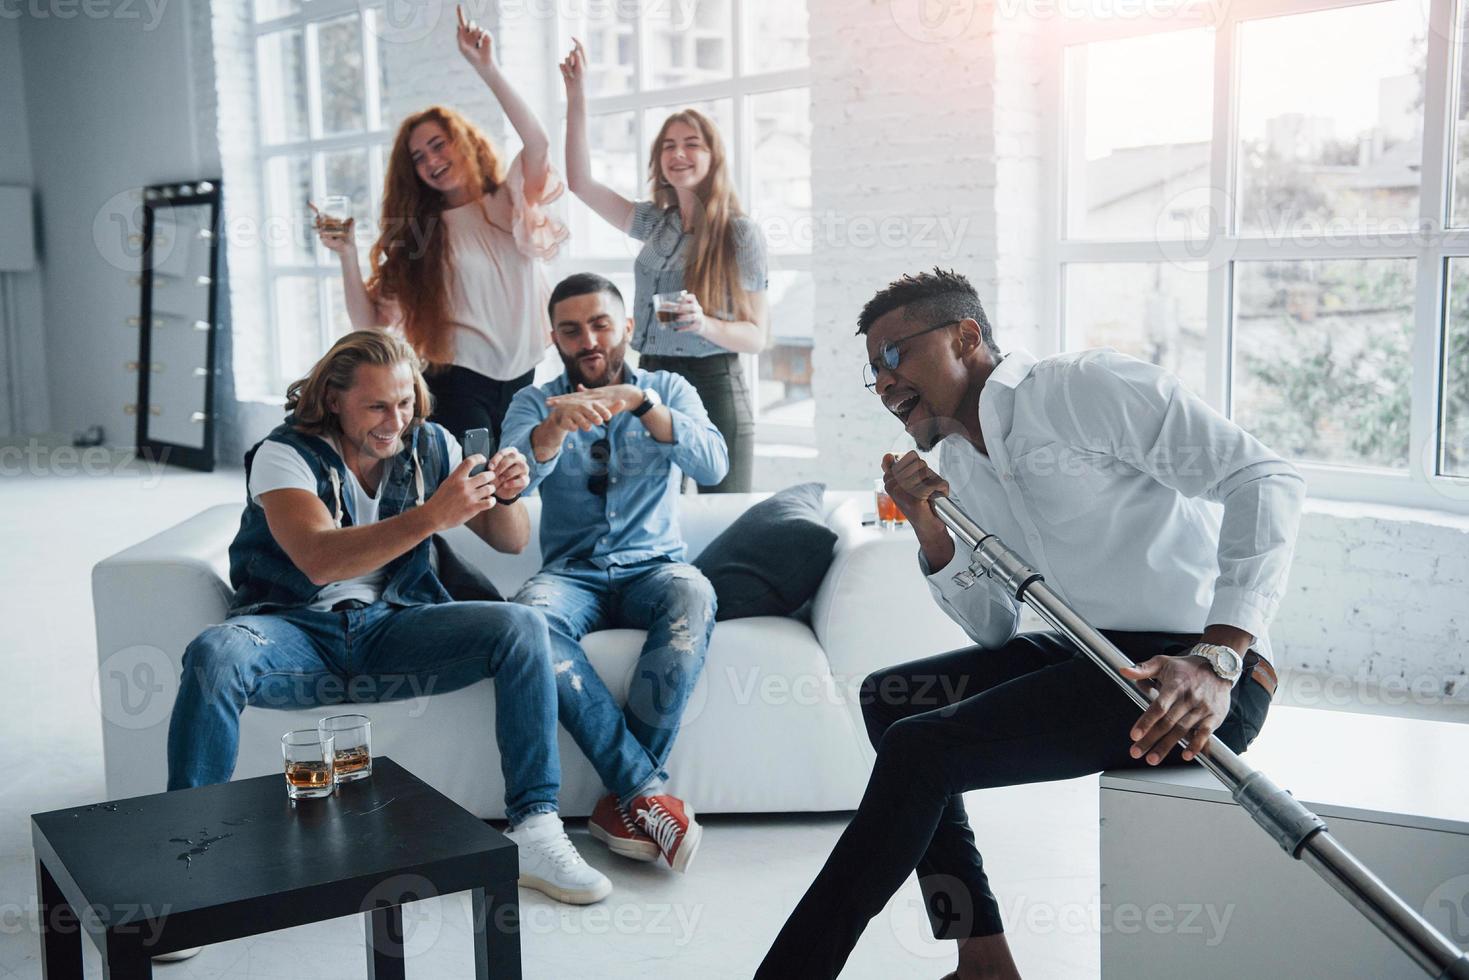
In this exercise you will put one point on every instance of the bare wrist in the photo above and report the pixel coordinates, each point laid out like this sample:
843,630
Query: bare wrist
425,518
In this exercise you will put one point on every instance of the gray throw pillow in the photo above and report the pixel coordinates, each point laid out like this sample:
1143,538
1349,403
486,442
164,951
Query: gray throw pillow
772,559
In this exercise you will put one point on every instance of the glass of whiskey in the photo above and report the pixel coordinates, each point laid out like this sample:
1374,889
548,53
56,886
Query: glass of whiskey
310,763
353,740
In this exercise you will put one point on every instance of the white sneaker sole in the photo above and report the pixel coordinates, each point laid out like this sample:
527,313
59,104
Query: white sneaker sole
179,955
690,845
569,896
637,850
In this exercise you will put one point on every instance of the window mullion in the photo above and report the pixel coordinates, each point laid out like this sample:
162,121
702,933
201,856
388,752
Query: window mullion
1218,335
314,125
1430,308
371,71
1053,179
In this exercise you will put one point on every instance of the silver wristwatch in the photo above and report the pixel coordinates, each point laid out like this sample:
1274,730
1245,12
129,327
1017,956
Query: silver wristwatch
1225,660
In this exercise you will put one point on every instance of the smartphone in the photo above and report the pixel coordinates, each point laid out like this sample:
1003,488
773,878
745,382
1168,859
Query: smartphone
478,441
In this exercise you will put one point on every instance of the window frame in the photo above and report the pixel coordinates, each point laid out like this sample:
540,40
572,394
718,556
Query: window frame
739,87
1430,247
313,146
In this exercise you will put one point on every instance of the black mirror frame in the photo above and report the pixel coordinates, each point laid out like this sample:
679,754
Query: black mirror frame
175,195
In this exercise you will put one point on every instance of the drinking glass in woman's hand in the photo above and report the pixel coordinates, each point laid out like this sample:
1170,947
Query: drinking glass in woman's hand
666,307
690,314
336,233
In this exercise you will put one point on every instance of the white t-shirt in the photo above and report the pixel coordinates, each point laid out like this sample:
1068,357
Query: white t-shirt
278,466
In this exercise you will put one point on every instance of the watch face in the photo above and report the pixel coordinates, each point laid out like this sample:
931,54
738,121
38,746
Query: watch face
1230,660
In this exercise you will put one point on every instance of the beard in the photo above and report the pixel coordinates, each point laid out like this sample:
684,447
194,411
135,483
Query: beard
611,372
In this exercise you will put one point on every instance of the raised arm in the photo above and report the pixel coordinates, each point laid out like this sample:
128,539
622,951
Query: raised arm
477,47
339,237
615,209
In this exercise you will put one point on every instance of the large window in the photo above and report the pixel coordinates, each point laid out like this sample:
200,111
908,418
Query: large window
322,89
1283,222
743,63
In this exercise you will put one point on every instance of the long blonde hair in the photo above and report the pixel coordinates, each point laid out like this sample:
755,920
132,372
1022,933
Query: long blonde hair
711,273
410,260
306,399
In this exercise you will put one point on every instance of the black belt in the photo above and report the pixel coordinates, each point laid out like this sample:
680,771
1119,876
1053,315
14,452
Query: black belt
348,605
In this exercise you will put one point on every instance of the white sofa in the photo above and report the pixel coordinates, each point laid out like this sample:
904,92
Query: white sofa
774,724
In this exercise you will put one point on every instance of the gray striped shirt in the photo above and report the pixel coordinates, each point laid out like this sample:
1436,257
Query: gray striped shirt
659,268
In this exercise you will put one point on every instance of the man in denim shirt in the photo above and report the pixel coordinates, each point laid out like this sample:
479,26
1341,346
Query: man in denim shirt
607,445
336,598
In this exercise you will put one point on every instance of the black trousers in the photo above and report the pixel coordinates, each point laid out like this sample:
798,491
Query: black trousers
465,399
720,382
1032,711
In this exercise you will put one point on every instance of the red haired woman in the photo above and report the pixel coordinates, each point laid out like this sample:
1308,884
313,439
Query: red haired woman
458,264
696,239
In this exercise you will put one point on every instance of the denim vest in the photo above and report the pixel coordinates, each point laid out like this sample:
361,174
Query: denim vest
263,575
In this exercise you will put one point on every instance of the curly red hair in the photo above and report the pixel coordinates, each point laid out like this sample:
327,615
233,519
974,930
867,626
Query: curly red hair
410,261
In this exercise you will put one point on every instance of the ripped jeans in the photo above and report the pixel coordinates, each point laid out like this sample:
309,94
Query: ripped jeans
300,657
675,603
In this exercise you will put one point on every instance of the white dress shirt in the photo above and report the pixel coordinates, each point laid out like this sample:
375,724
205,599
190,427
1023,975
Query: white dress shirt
1107,476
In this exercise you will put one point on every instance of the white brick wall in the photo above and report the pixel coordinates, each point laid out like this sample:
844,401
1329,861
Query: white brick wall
1380,595
904,127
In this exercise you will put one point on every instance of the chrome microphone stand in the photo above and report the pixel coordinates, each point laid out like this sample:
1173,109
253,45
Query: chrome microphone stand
1298,831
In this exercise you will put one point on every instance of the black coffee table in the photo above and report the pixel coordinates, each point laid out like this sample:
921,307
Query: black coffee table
159,873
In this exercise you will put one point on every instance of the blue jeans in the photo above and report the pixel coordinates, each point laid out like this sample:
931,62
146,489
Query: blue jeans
675,603
301,657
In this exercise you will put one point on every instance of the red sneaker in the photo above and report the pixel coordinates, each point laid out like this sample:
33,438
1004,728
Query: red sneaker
613,826
670,822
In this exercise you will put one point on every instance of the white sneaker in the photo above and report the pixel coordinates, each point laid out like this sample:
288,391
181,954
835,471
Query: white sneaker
179,955
550,863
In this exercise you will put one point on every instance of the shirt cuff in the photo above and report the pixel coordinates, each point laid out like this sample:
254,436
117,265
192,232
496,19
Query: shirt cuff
681,423
942,581
538,470
1242,609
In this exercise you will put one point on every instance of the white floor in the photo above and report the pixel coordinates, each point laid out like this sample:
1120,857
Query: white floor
1040,842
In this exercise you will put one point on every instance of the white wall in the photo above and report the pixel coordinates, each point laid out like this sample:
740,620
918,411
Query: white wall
110,106
16,169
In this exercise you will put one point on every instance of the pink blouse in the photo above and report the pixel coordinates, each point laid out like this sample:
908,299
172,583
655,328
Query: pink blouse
497,285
